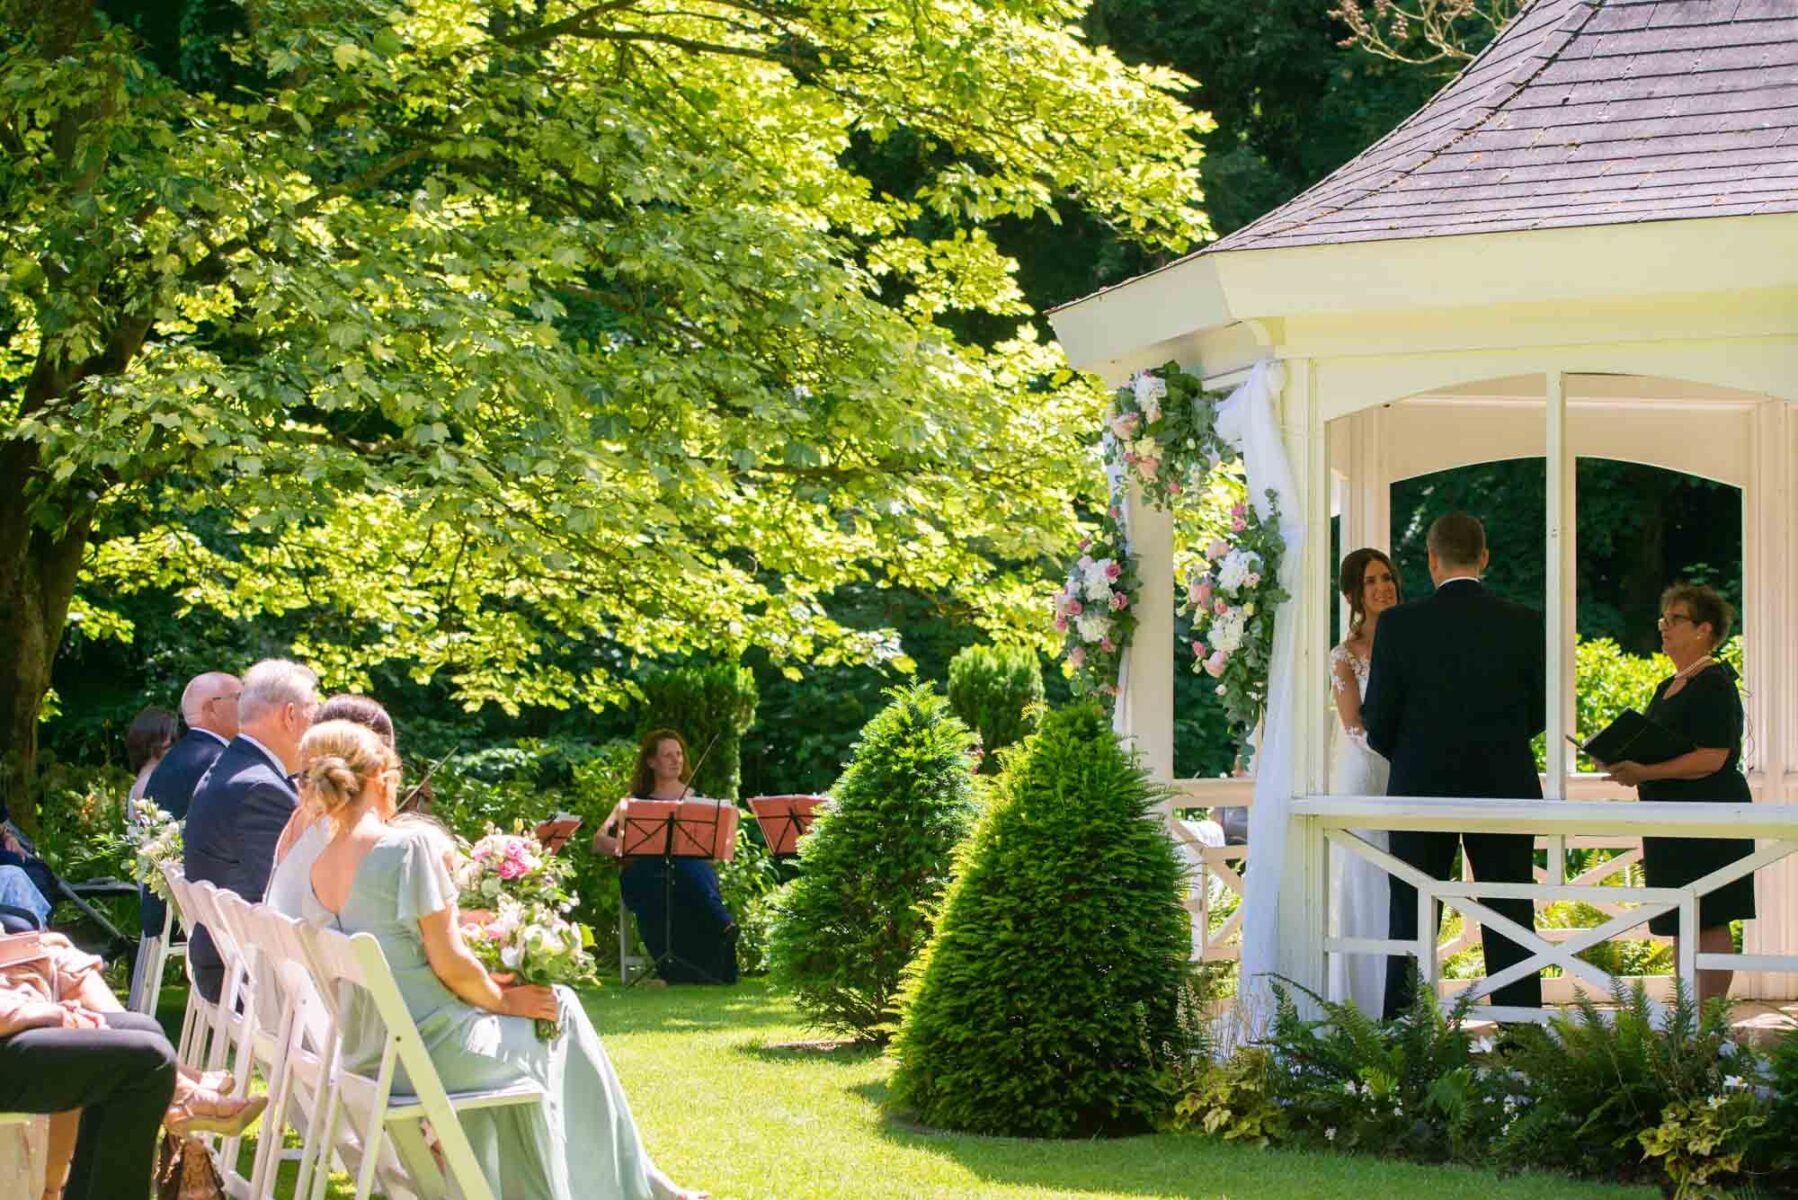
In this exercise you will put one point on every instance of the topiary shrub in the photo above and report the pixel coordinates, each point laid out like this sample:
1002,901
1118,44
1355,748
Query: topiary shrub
874,865
699,702
995,691
1048,1002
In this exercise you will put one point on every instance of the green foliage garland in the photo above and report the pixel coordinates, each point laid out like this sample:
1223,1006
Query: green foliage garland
994,690
1164,434
874,867
1048,1002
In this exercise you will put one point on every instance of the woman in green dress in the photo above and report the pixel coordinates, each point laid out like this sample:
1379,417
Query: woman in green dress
1700,701
392,880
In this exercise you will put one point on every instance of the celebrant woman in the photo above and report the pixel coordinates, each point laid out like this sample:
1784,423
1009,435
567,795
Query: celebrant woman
390,881
679,910
1699,701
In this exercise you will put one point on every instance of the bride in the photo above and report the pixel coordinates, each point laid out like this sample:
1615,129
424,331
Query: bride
1361,894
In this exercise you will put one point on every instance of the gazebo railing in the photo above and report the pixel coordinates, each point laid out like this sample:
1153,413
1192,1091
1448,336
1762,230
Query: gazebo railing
1320,822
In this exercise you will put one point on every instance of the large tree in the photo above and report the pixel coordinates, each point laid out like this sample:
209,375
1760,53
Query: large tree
467,328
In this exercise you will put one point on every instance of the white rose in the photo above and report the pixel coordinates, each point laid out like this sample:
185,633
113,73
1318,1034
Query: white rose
1227,632
1093,627
1098,584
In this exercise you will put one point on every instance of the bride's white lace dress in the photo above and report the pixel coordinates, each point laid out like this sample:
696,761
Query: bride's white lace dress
1360,896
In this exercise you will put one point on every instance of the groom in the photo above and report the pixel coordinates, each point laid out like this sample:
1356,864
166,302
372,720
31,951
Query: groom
1454,695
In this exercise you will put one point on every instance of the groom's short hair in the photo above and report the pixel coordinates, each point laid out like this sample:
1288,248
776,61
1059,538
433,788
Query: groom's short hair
1457,540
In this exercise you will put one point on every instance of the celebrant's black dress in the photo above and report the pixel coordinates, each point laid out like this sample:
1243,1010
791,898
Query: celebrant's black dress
1708,711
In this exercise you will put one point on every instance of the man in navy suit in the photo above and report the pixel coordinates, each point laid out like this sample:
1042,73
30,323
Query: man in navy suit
209,709
244,801
1454,695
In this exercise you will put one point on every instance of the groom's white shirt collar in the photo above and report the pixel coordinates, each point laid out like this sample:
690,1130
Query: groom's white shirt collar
1458,579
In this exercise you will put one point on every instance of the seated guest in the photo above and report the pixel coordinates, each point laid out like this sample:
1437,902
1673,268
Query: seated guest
244,802
68,981
679,910
304,836
391,882
149,738
209,709
1699,700
19,893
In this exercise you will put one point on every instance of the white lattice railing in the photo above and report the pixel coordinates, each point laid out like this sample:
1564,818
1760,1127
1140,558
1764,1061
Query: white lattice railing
1320,822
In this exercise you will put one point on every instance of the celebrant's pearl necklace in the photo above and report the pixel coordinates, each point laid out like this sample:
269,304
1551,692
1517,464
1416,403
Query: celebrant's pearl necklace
1681,674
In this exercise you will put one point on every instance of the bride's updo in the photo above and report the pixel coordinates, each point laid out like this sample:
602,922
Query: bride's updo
338,760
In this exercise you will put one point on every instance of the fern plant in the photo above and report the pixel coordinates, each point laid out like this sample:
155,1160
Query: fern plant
1593,1080
1416,1085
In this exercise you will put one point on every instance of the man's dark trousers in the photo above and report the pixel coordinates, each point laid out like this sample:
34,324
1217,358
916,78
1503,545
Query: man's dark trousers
121,1077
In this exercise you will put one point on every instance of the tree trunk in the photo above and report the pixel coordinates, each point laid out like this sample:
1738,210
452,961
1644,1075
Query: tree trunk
38,569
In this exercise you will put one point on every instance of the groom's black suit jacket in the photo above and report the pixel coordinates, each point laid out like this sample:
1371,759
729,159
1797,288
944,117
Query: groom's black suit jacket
1456,692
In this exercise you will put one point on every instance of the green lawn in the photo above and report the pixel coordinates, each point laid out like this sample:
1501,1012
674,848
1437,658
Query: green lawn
724,1107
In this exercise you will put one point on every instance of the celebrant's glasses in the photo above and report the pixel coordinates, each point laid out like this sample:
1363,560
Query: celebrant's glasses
1672,619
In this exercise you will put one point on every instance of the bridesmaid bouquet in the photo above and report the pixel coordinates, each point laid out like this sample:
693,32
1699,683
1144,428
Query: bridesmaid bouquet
156,838
523,929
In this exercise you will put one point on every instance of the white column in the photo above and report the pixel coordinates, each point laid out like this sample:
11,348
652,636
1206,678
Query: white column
1769,573
1145,711
1304,878
1559,611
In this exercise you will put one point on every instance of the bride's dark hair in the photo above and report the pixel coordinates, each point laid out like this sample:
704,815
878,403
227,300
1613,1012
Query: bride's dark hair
1352,580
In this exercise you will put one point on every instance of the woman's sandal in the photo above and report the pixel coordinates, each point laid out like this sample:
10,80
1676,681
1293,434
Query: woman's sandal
205,1111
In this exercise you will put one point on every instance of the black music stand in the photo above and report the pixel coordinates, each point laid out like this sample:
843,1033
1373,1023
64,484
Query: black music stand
671,829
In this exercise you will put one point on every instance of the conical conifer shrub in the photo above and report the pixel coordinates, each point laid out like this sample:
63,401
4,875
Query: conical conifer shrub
874,866
1048,1000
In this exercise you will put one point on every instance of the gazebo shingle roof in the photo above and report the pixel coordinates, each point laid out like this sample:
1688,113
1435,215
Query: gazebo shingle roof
1582,112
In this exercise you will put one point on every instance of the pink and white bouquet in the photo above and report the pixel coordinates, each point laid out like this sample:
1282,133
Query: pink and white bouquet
1231,596
523,928
1095,610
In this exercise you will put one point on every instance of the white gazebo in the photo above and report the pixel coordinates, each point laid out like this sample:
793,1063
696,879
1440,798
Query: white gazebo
1586,245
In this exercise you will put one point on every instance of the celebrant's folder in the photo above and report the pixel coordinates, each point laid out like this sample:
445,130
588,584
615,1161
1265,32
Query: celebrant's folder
1632,737
784,820
700,828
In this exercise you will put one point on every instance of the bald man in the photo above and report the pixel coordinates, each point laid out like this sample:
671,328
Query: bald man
209,707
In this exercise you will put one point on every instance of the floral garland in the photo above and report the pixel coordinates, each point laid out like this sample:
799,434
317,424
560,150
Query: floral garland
1164,432
1232,596
1096,609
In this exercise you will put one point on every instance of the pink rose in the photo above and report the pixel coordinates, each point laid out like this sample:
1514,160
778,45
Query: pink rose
1077,657
1115,512
1217,549
1148,467
1173,487
1238,525
510,868
1107,645
1214,666
1112,570
1061,623
1119,601
1074,609
1202,593
1198,649
1238,510
1219,607
1253,580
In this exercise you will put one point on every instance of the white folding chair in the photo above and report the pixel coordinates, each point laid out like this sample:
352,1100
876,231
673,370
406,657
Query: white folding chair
256,1009
236,1005
379,1118
198,1021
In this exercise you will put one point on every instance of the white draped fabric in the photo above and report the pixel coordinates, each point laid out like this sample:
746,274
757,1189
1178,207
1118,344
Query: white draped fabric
1247,422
